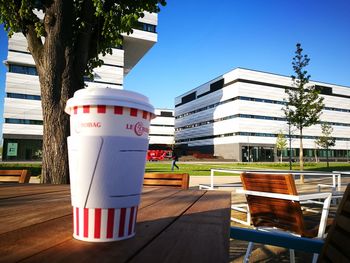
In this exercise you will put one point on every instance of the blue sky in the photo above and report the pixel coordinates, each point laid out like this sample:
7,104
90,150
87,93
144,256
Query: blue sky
200,40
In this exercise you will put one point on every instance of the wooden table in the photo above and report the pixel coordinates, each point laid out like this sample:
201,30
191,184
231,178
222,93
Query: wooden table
172,226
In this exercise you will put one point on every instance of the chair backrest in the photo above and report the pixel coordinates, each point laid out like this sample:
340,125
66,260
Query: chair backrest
14,176
336,247
170,180
273,212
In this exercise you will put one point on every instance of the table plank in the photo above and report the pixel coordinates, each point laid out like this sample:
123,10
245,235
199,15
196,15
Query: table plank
16,190
204,236
27,240
33,209
24,242
152,220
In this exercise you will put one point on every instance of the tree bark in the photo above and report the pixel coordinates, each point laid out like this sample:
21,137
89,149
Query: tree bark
301,156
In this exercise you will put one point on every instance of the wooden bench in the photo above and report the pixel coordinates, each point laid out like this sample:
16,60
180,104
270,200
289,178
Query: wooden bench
170,180
14,176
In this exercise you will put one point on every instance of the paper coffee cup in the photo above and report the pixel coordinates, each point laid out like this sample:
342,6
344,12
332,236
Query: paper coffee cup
107,154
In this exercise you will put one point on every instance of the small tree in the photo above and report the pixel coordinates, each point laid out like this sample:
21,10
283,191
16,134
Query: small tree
304,105
281,143
325,141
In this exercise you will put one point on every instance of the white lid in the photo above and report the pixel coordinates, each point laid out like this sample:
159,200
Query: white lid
109,97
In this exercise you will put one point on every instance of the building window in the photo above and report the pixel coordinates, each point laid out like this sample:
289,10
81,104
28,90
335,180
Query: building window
188,98
166,114
20,69
23,96
23,121
146,27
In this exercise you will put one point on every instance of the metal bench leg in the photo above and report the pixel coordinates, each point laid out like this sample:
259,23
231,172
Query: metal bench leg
314,258
249,251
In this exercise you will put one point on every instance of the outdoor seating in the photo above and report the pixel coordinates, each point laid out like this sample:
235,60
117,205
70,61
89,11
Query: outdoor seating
14,176
333,249
274,205
169,180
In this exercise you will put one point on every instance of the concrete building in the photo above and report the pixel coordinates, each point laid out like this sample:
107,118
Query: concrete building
161,136
22,128
239,114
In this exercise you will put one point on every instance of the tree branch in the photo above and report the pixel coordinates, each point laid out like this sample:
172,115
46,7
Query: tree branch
35,45
84,40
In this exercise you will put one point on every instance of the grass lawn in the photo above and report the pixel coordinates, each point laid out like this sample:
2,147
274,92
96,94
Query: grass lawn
201,168
204,168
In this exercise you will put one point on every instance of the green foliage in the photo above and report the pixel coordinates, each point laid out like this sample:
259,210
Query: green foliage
281,141
203,169
326,140
304,105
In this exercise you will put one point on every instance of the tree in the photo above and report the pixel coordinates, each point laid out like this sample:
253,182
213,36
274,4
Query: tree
281,143
304,105
325,141
65,44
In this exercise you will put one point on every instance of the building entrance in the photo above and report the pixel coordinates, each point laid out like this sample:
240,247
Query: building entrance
257,154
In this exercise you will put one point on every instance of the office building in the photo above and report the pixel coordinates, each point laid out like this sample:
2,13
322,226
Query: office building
238,116
161,135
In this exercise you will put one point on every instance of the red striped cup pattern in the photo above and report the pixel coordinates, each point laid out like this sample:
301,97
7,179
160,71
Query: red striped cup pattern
104,224
116,110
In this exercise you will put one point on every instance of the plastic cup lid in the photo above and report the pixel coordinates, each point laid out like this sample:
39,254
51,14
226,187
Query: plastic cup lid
109,97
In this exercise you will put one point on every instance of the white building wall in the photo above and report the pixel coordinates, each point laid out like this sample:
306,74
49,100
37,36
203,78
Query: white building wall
162,128
257,95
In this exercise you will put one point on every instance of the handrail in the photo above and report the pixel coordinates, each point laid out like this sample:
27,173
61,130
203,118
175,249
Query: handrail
336,175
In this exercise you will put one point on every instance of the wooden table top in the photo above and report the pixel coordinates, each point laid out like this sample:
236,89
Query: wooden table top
172,226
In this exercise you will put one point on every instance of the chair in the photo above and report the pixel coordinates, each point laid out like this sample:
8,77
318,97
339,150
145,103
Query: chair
274,205
334,248
14,176
169,180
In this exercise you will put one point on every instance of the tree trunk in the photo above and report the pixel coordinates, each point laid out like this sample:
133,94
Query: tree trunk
327,157
301,156
316,158
60,63
58,81
281,157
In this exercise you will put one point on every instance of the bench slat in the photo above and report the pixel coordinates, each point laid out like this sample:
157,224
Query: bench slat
9,178
18,176
162,182
161,179
168,176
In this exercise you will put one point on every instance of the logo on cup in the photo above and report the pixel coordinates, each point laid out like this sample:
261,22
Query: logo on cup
139,129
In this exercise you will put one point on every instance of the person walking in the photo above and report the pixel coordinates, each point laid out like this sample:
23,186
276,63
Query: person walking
174,158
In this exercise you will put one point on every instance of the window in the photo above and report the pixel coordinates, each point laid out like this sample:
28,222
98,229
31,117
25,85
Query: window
23,96
146,27
28,70
166,114
23,121
188,98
